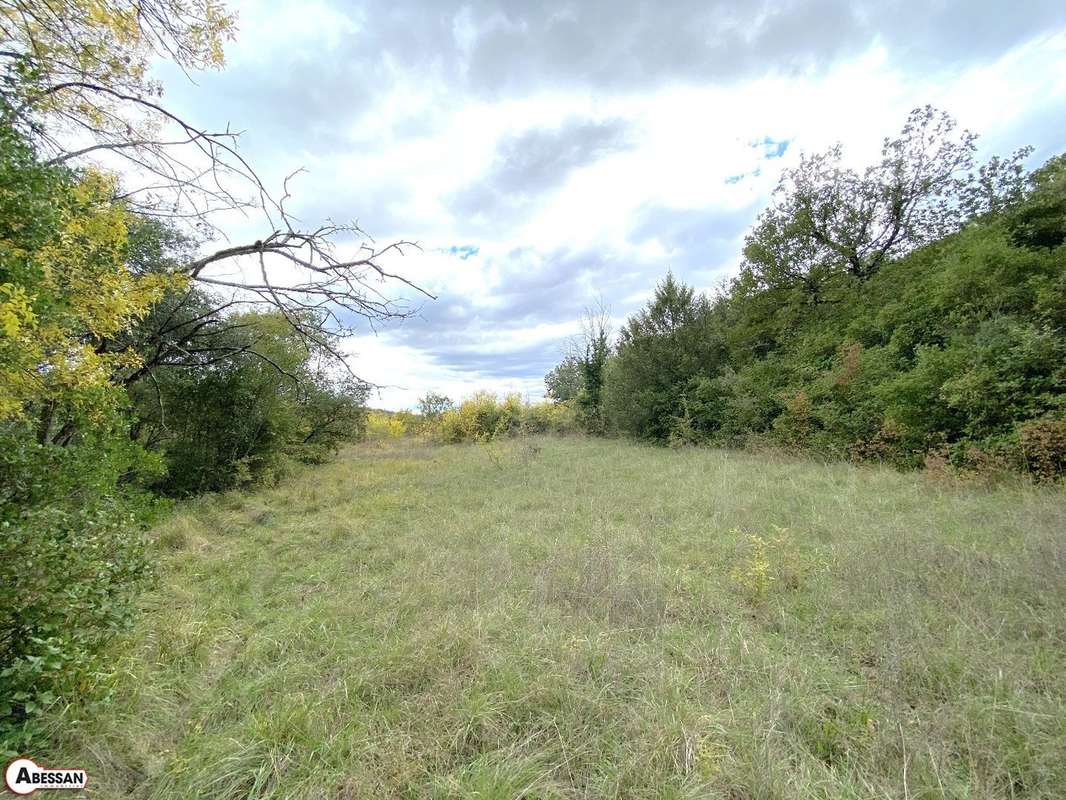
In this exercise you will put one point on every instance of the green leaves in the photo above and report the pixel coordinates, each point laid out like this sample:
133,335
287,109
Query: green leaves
232,400
958,344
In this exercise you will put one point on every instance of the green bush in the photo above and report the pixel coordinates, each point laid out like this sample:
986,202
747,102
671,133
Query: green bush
246,418
549,418
72,556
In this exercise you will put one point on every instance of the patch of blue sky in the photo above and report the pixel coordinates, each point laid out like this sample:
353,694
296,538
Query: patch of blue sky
772,148
755,173
464,251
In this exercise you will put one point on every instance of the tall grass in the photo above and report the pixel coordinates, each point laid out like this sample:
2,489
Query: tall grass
567,618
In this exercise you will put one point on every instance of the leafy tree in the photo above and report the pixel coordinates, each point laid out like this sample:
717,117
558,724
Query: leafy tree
65,289
432,404
565,380
237,419
71,553
827,218
660,349
332,411
579,377
673,307
997,185
82,66
1039,219
591,350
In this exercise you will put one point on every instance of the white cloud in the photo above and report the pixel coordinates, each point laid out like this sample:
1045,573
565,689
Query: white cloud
396,148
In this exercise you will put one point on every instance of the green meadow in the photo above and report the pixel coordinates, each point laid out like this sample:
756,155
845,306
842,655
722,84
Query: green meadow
580,618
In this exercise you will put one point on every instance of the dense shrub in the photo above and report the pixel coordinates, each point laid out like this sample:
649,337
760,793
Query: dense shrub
71,515
484,417
549,418
244,419
1043,447
72,554
389,424
954,349
481,417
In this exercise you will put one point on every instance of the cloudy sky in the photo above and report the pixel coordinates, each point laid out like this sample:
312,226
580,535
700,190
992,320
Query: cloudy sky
548,155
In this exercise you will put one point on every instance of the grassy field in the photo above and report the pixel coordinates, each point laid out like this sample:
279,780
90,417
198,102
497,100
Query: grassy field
576,618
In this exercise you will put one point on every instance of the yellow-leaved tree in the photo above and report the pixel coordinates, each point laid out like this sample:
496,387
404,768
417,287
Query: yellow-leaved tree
70,544
81,67
62,297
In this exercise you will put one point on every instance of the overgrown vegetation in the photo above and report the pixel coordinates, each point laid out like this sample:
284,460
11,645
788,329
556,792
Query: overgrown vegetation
125,374
94,416
709,632
911,313
70,553
563,617
245,419
482,417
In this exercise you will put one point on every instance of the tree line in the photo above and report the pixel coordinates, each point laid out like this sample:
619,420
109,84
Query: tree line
142,355
911,313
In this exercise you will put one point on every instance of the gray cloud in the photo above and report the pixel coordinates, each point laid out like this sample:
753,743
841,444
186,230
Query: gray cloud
302,99
626,43
536,288
549,287
522,362
700,239
534,162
